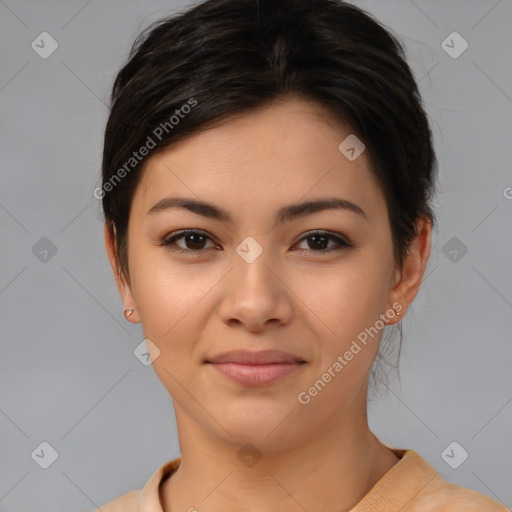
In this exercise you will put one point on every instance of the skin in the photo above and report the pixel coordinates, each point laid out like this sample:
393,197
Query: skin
313,305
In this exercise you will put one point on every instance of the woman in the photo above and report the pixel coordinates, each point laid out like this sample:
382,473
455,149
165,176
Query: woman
268,172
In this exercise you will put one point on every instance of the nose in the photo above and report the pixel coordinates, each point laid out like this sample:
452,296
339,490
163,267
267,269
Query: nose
256,294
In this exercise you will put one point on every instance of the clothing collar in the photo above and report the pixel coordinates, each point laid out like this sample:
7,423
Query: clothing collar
393,491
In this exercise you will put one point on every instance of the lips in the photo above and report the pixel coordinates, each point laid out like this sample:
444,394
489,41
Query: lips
248,357
256,368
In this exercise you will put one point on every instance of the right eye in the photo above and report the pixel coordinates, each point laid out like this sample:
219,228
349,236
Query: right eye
191,237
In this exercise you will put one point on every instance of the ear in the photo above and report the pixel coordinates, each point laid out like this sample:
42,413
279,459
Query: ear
122,286
408,279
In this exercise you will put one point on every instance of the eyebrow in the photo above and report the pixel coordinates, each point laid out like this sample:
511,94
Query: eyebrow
284,214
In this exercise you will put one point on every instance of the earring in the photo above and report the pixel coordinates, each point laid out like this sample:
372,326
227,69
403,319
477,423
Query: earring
128,312
397,313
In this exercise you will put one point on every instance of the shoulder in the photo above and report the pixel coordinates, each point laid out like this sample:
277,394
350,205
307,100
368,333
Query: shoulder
413,485
146,498
442,496
128,502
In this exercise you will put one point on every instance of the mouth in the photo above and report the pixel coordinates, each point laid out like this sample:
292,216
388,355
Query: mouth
256,368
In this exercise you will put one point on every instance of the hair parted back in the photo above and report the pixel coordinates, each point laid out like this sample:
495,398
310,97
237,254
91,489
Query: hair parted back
229,57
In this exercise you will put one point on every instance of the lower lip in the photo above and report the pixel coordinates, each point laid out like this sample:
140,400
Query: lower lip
256,374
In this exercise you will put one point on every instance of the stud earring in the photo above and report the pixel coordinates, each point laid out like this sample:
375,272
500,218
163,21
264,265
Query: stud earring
128,312
397,313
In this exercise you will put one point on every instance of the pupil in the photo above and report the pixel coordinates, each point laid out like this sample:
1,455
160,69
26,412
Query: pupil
316,238
192,236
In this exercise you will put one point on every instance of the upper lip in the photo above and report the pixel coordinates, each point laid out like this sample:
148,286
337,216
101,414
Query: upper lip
250,357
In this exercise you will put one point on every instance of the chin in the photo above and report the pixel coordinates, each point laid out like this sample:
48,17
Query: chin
269,430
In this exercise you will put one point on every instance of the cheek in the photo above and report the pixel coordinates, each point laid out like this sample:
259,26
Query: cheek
172,300
348,300
349,296
167,298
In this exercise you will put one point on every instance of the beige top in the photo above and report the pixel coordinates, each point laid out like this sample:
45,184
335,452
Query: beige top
411,485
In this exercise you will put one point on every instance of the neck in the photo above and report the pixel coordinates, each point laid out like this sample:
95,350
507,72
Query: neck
329,472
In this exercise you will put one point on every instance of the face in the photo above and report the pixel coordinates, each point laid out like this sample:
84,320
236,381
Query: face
308,282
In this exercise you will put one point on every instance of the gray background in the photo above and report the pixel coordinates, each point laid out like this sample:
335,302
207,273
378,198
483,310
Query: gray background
68,373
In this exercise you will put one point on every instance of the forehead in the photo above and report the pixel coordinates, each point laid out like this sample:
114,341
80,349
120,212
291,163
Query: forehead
278,154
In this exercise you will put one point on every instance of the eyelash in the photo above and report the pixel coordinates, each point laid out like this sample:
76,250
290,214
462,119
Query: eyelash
170,239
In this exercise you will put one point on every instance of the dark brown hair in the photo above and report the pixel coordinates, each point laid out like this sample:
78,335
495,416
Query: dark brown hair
222,58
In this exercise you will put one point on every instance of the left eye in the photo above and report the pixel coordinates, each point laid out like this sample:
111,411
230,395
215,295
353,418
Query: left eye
318,239
321,239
